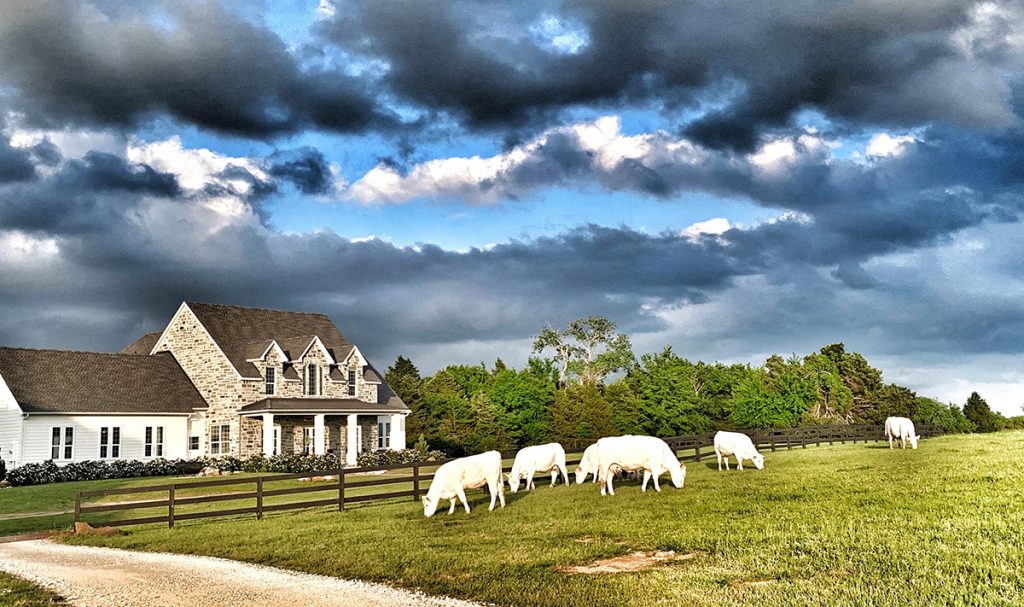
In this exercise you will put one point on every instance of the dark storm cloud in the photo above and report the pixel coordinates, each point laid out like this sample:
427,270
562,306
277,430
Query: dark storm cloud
15,163
305,167
759,63
70,63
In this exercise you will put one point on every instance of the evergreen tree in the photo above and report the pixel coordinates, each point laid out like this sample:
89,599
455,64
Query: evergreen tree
404,378
981,415
580,414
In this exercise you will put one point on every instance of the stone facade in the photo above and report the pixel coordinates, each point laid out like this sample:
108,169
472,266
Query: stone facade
227,392
210,371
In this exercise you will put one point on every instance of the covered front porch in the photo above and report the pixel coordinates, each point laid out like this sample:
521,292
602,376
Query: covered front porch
345,427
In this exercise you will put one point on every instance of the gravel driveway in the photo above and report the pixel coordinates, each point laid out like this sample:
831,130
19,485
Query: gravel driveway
105,577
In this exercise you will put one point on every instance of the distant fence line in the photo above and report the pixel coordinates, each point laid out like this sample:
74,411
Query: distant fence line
261,487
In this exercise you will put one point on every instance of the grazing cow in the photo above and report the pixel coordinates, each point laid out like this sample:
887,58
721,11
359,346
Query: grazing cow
738,445
539,458
634,453
903,429
453,478
588,465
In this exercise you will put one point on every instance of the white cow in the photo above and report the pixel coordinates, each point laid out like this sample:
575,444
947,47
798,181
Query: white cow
738,445
453,478
902,429
634,453
588,464
538,458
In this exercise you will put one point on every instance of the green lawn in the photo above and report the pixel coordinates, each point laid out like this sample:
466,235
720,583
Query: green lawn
844,525
16,592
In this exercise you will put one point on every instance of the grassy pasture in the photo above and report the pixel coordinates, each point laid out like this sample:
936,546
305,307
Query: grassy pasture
843,525
16,592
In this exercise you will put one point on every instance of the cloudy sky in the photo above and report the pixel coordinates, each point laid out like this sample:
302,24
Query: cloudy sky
444,177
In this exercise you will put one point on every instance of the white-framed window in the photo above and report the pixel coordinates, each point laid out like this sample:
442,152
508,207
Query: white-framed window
351,382
220,439
110,442
307,440
271,381
62,442
154,444
277,440
193,443
312,380
360,446
383,433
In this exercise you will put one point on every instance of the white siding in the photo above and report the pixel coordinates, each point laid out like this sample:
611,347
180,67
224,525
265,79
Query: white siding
87,435
10,427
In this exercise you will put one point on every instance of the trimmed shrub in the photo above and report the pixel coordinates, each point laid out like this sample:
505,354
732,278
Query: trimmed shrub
35,474
3,470
392,457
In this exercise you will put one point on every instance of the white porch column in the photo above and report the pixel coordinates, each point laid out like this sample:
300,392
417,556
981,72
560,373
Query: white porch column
351,448
268,434
398,431
318,434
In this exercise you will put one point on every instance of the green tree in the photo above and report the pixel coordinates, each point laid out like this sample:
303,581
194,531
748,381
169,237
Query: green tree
490,427
981,415
580,414
589,349
404,378
527,397
950,417
760,401
892,401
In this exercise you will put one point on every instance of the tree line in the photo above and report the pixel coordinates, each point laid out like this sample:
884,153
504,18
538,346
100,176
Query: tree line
564,394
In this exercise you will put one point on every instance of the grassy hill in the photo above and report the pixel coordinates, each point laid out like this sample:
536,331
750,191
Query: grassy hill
843,525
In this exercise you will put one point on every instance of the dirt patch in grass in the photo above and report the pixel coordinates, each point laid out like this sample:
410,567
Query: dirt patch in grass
635,561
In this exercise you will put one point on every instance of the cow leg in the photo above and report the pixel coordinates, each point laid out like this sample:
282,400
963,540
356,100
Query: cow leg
739,463
493,488
452,508
890,440
647,478
554,476
726,462
529,481
501,492
657,486
719,454
462,498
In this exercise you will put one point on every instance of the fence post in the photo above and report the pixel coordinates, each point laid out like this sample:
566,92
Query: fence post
804,439
78,507
696,451
341,490
771,437
170,508
415,482
831,435
259,498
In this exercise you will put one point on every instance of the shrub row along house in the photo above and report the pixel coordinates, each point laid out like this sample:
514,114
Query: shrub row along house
217,381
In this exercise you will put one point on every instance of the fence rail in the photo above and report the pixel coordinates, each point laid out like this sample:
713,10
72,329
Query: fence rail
255,488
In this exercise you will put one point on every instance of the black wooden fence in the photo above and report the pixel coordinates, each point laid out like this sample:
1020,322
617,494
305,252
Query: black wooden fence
343,485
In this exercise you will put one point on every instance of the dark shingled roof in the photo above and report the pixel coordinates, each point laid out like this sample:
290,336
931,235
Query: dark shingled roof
143,345
237,331
58,381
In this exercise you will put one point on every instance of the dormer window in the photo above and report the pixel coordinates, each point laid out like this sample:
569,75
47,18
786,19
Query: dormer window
351,382
312,380
271,380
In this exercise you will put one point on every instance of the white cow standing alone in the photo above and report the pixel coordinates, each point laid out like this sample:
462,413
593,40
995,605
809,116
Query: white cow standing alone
538,458
633,453
453,478
903,429
738,445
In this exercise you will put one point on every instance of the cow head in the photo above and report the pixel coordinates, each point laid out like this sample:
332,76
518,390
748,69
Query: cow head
679,476
513,483
429,506
758,460
581,475
913,440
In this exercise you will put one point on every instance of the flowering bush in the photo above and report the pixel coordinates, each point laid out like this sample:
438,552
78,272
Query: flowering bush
392,457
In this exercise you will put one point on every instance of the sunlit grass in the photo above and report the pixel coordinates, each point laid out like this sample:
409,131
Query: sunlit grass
844,525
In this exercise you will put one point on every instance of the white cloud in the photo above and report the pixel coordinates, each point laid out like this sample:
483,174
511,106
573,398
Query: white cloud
713,227
884,144
194,168
560,35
